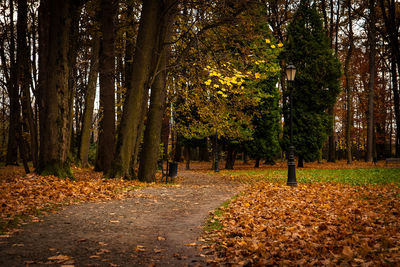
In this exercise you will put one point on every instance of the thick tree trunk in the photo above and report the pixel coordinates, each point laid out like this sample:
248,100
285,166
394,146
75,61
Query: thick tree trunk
89,102
152,134
371,84
139,138
54,24
128,128
105,149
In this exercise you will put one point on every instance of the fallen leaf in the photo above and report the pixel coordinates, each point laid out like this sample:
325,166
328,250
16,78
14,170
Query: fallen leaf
60,258
160,238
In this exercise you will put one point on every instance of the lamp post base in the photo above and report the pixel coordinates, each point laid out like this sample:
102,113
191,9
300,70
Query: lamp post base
291,181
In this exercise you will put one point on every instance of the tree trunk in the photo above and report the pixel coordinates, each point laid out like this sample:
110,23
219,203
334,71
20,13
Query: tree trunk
396,100
105,149
186,149
89,102
371,84
230,160
300,163
245,158
165,130
348,87
13,93
54,27
72,77
178,150
203,151
128,128
139,138
331,141
23,83
257,164
152,134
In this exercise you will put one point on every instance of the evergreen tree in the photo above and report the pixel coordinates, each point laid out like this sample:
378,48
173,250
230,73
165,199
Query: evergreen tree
265,143
316,85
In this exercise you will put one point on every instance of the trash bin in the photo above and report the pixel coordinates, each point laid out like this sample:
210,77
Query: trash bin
172,169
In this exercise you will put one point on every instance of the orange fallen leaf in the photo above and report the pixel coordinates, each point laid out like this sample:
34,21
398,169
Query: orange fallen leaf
60,258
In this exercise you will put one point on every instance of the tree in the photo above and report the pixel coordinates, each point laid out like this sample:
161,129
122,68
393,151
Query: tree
105,150
316,85
152,134
89,102
371,84
141,67
348,85
54,97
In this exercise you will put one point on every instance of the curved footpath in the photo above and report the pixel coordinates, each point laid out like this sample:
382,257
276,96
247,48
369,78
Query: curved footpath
154,227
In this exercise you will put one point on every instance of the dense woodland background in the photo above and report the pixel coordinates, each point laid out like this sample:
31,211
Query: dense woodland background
122,84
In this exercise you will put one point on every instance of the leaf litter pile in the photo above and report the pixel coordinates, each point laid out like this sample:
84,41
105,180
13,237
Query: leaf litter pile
22,195
311,224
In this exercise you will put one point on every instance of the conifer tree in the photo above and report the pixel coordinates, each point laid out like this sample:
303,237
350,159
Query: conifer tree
316,85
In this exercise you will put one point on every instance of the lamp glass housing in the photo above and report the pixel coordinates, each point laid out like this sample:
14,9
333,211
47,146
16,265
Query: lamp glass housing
290,72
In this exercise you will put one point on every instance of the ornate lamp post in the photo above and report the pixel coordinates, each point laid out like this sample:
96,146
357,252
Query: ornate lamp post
291,181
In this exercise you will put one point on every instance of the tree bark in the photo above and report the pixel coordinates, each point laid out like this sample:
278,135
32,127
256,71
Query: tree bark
152,134
13,93
23,83
54,97
186,150
203,150
348,87
105,149
128,128
396,100
165,130
257,164
371,83
89,102
300,163
72,77
230,158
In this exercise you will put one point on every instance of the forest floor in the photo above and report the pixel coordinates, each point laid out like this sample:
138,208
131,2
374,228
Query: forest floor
352,217
156,225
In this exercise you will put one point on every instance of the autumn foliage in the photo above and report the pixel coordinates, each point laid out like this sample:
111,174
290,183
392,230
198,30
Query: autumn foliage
30,194
312,224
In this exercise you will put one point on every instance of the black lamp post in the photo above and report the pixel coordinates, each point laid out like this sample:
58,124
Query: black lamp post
291,181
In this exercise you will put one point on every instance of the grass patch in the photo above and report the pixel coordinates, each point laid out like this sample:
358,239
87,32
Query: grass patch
214,220
372,176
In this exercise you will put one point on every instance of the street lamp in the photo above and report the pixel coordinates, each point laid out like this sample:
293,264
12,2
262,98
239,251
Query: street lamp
291,181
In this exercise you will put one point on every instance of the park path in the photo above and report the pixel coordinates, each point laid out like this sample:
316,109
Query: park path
153,227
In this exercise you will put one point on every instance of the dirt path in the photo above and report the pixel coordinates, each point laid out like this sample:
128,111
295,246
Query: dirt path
153,227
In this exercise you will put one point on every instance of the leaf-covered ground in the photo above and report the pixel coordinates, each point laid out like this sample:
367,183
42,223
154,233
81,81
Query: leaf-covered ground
27,195
354,218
